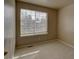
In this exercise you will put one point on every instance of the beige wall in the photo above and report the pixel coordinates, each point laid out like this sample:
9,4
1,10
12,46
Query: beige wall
52,15
66,24
9,28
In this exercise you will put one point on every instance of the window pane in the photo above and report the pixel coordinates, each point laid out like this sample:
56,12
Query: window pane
27,21
41,22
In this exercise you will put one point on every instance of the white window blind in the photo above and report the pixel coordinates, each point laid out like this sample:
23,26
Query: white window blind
32,22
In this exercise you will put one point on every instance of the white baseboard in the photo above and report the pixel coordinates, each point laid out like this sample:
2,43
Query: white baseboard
67,44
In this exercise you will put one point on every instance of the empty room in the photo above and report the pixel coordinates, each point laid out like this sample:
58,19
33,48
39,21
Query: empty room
38,29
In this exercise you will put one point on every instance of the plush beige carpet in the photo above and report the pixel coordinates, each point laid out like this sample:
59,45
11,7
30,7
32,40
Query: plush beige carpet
45,50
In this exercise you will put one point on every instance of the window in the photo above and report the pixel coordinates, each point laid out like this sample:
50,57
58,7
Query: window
32,22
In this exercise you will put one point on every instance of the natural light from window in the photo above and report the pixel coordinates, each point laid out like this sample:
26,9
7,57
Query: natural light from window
33,22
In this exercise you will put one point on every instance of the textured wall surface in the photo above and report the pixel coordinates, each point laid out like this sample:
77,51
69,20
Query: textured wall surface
66,24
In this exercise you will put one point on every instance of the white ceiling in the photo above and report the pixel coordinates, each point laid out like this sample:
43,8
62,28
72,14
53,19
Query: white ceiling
50,3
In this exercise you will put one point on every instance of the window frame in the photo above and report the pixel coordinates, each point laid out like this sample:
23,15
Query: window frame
33,34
